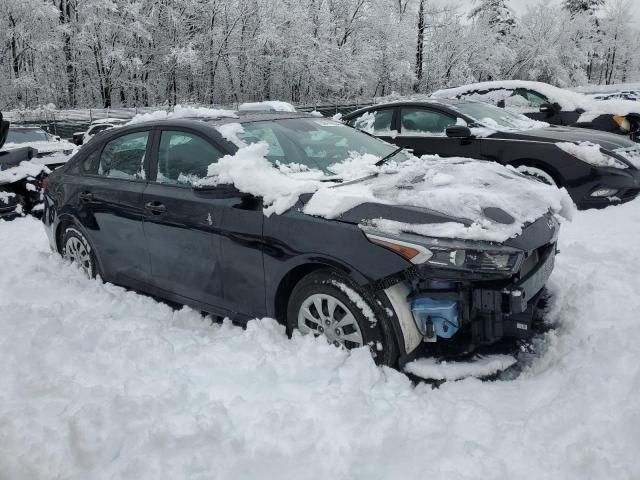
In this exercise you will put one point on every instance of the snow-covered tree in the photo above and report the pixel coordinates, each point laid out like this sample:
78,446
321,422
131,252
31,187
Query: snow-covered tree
497,15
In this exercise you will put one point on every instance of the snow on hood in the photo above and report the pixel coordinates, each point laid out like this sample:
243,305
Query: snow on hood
43,146
460,188
590,153
183,112
567,99
26,169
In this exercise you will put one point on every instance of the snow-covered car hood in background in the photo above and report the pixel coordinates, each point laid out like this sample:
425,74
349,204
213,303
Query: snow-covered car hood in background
568,100
44,147
432,196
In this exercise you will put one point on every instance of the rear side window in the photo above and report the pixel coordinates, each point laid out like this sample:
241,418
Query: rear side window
424,121
123,157
374,121
184,158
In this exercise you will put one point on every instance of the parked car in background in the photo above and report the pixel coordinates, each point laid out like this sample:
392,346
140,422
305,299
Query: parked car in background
97,126
21,177
620,91
134,206
597,168
45,144
557,106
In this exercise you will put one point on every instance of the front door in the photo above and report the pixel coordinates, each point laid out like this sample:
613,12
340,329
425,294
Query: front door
423,130
204,243
181,226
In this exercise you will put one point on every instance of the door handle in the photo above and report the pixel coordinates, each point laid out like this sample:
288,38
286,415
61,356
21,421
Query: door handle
155,207
86,196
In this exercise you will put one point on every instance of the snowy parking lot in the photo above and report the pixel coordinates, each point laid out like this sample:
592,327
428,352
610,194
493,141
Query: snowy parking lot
97,382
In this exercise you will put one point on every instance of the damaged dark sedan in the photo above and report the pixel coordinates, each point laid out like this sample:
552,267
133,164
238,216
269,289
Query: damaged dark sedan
142,207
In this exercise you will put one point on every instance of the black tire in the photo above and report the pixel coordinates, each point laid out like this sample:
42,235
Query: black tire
76,248
324,284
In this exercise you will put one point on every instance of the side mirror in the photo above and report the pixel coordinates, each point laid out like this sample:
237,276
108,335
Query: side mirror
550,108
458,131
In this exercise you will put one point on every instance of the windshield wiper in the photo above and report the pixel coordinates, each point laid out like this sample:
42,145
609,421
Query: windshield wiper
386,158
379,163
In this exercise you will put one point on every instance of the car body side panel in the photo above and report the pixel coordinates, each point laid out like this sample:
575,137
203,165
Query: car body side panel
295,239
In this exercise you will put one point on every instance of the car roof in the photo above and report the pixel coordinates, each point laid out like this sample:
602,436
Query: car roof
444,102
241,117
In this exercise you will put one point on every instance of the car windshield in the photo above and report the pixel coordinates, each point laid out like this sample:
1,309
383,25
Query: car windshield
26,135
494,117
315,143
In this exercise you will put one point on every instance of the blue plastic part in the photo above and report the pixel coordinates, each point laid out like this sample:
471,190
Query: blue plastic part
443,315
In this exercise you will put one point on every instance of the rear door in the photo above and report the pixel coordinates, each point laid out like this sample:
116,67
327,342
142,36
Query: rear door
422,130
380,122
109,203
204,244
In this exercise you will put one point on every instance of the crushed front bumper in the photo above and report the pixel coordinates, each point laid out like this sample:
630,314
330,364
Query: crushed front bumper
488,310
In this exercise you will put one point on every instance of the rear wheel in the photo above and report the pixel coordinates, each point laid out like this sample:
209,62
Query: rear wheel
327,304
76,249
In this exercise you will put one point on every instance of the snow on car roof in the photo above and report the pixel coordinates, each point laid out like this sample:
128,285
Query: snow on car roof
183,112
567,99
108,120
267,106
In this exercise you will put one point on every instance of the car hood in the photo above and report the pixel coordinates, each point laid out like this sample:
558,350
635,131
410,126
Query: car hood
556,134
43,147
454,198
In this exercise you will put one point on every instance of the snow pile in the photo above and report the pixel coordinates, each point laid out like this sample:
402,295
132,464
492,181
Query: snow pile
250,172
22,171
182,112
99,382
590,153
457,187
484,366
567,99
5,196
267,106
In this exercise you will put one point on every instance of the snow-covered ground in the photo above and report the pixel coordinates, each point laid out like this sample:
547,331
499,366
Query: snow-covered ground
97,382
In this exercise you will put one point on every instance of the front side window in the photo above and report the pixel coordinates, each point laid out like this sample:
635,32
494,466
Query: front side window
533,99
422,121
183,157
374,121
123,157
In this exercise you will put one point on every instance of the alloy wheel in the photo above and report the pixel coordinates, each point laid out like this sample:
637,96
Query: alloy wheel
77,252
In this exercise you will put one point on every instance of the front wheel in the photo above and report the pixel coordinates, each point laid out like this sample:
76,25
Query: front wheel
76,249
327,304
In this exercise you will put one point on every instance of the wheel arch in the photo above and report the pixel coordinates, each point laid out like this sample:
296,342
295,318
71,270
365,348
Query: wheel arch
298,272
542,165
67,221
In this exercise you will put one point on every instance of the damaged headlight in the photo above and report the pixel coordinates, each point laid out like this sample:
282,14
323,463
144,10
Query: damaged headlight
449,254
